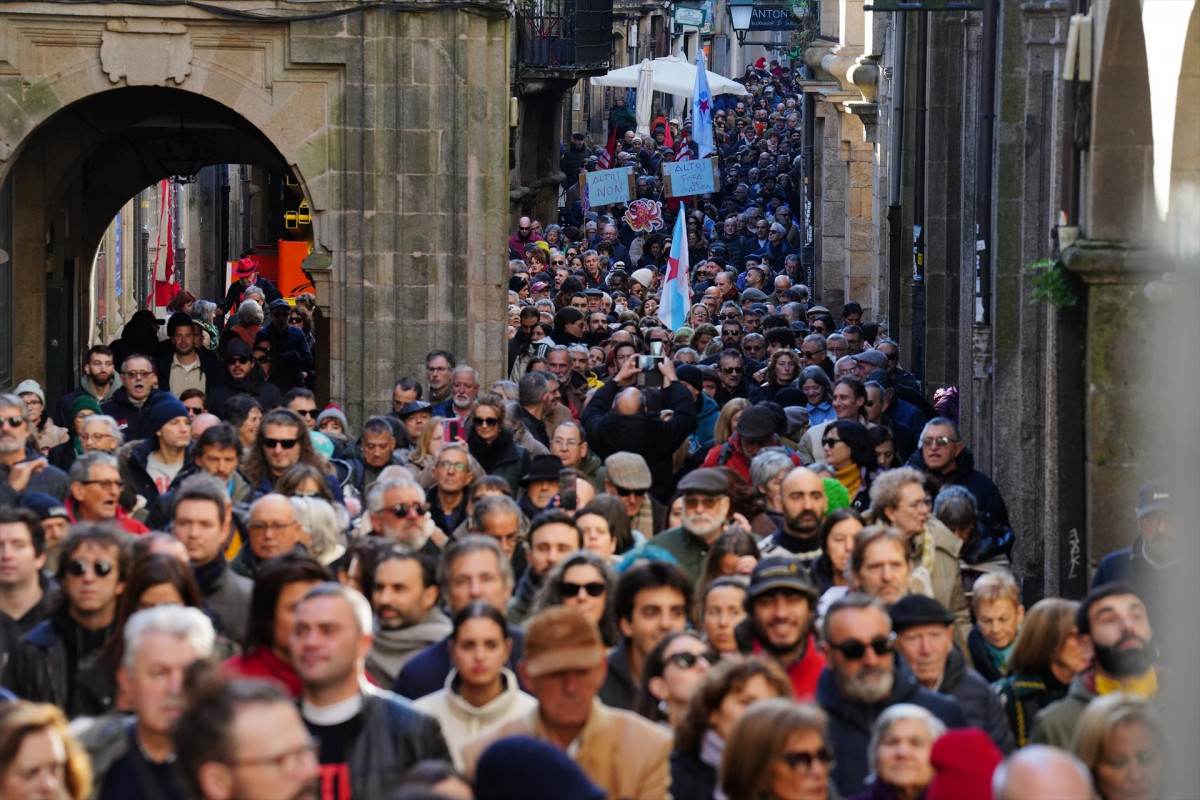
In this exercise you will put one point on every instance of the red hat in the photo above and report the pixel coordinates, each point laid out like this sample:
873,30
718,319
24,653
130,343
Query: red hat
963,762
244,268
761,63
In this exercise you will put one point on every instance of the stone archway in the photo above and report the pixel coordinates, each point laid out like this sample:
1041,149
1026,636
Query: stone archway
393,119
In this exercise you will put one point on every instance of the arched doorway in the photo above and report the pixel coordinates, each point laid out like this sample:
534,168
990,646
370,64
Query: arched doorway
100,194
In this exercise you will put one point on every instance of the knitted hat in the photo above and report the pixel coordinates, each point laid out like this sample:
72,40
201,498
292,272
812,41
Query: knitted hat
84,402
690,374
30,386
333,412
161,408
963,762
524,768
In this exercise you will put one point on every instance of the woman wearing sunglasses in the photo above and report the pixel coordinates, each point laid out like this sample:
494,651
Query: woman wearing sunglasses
849,450
587,581
671,675
900,750
777,751
480,692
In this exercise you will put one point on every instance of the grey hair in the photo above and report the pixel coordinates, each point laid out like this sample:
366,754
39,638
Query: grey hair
81,469
492,504
321,522
255,291
359,607
114,427
380,487
16,401
955,506
893,714
769,462
250,313
181,622
815,338
940,422
532,387
474,543
463,368
202,310
1036,755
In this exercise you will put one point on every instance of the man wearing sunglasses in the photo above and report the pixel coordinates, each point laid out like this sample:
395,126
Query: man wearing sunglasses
22,468
735,381
398,512
91,573
862,677
943,455
925,637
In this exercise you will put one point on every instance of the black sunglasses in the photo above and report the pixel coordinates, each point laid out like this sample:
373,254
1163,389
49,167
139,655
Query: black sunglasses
798,759
621,490
286,444
402,509
239,360
78,568
855,650
689,660
827,442
487,422
12,422
306,412
262,360
594,589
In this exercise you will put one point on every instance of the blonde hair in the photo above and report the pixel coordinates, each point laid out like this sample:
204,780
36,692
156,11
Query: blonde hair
992,587
21,718
1103,715
723,428
1047,625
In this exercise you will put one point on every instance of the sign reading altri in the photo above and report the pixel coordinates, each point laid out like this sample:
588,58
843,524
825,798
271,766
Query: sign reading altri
770,17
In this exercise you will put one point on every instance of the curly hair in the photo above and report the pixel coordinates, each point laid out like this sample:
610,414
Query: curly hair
724,678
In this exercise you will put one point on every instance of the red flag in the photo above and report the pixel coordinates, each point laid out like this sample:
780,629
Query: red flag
683,152
610,153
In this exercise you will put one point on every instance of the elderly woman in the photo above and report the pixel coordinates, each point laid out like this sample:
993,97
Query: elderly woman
587,581
778,751
1046,656
898,499
40,757
767,471
783,368
698,315
322,528
728,689
203,312
48,434
901,745
1121,741
818,391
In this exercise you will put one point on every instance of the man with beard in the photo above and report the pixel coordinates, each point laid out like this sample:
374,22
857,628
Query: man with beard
861,679
779,604
523,236
133,755
186,365
97,381
398,512
706,505
464,386
804,505
404,595
1113,624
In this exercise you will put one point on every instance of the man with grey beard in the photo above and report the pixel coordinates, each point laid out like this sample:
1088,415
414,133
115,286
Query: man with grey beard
862,677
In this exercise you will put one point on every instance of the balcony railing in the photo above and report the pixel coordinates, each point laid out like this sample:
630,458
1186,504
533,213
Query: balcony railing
565,34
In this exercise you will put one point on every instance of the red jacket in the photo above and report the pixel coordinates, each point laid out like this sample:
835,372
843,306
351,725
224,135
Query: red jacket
735,459
805,671
122,520
261,662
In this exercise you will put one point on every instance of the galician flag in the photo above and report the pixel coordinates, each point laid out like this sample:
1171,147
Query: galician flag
702,108
677,289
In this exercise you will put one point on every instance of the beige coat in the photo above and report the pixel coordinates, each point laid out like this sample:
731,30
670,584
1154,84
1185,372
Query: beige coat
626,755
461,722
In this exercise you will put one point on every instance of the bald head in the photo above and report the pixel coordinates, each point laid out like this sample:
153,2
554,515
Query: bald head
1038,772
629,401
203,422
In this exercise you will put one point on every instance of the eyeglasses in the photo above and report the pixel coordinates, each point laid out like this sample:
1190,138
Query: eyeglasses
286,444
402,509
487,422
936,441
306,412
295,320
139,375
811,353
286,762
192,411
855,650
730,370
274,527
689,660
106,485
456,466
830,443
800,760
101,568
239,360
621,490
12,422
94,437
594,589
556,442
262,360
698,500
728,316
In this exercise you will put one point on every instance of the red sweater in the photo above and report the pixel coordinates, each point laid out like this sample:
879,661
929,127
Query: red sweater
805,671
261,662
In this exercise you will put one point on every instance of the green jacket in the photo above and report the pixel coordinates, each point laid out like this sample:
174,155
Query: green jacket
688,550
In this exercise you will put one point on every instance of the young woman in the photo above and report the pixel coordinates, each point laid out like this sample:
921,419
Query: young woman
480,691
722,608
848,449
672,673
778,751
587,581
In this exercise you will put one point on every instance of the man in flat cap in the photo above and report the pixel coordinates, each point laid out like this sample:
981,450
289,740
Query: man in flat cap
706,505
564,667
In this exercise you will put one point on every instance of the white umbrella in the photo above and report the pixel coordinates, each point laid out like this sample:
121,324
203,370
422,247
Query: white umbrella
645,96
673,75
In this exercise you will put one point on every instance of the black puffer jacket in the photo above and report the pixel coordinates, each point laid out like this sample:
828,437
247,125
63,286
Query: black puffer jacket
978,702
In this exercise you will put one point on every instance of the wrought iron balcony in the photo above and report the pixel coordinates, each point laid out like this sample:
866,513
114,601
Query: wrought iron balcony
565,35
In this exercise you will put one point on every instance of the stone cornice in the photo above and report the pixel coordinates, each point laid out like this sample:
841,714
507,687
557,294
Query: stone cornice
1106,262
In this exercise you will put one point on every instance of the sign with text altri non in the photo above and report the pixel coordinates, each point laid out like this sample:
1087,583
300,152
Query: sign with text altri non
686,178
607,186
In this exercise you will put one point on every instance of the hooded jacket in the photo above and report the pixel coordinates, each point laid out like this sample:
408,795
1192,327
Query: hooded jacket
392,649
850,722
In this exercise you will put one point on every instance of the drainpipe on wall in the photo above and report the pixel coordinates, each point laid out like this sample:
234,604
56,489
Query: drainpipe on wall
896,172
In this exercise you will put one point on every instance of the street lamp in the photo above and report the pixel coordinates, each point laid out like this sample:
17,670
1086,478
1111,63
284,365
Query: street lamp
740,12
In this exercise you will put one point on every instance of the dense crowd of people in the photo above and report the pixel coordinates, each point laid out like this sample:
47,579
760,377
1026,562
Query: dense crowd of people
742,558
